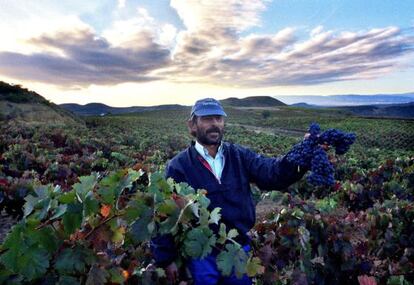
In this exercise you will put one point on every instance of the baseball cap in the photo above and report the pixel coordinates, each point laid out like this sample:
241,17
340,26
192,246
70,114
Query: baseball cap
207,107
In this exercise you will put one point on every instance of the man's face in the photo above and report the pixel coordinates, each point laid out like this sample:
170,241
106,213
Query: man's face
209,130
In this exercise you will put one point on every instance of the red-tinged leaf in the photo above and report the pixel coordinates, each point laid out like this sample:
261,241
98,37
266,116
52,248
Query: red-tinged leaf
100,237
366,280
105,210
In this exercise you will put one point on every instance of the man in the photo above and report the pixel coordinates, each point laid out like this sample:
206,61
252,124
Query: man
225,170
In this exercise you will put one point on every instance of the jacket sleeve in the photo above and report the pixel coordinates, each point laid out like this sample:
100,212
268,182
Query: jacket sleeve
162,246
271,173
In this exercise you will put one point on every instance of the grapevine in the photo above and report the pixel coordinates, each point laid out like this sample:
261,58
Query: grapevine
310,155
98,231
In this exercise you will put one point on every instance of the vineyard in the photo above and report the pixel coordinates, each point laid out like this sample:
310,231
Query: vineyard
83,201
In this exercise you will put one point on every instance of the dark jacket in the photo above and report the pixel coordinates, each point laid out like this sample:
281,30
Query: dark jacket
232,193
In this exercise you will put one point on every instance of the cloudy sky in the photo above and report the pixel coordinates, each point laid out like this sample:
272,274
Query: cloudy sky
149,52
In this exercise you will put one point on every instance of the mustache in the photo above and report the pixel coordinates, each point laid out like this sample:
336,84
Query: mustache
213,130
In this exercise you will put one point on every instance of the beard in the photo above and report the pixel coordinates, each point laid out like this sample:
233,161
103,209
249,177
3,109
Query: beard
212,136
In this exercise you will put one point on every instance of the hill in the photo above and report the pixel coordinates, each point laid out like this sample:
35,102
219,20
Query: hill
22,105
253,101
96,109
394,110
348,100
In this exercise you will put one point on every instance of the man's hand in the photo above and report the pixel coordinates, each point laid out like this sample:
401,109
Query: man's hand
172,273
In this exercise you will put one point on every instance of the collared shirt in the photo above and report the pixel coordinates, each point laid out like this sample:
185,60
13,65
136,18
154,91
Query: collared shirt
217,163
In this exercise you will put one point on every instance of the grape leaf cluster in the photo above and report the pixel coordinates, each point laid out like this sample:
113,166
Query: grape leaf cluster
310,155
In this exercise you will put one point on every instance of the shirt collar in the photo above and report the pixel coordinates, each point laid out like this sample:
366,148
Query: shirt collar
204,151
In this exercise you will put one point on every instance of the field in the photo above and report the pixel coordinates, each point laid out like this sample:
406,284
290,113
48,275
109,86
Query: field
94,196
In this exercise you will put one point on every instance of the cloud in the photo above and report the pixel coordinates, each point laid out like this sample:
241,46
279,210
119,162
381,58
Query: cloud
121,4
78,57
214,48
283,59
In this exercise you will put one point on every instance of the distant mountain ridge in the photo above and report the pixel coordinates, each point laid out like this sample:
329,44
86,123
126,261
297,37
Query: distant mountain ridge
96,109
394,110
348,100
18,103
253,101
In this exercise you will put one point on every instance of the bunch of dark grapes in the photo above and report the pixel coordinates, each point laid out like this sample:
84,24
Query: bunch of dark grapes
310,155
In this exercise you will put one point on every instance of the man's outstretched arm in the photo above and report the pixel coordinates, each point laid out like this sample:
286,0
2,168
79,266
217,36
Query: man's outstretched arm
271,173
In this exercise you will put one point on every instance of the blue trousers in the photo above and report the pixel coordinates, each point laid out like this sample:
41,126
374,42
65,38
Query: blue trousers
205,272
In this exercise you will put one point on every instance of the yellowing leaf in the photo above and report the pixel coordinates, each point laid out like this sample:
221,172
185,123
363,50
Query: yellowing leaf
254,267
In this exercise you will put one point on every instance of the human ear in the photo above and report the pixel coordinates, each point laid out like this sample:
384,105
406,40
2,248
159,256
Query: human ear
192,127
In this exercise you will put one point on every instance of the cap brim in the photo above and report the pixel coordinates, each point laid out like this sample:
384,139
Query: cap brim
212,112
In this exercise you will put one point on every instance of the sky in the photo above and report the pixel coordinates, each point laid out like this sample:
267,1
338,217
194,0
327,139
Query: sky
152,52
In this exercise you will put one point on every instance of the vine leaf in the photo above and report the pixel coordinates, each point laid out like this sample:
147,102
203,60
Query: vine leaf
105,210
254,267
224,236
232,260
85,185
72,219
41,202
199,242
74,260
215,216
24,255
139,229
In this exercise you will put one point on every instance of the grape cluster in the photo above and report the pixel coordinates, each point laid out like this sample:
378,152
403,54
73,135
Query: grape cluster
310,155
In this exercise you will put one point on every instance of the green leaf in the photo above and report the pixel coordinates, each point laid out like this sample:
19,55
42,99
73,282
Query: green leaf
27,251
169,224
90,205
202,199
139,229
233,259
67,198
215,216
40,202
167,207
135,208
222,234
157,179
199,242
33,263
112,185
72,219
119,156
74,260
85,185
181,188
195,208
232,233
59,212
45,238
204,217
